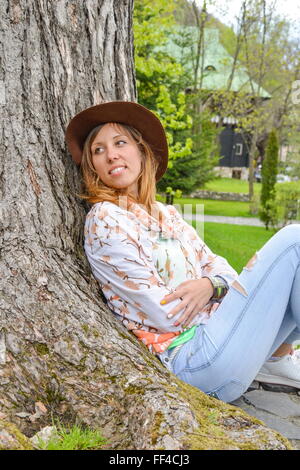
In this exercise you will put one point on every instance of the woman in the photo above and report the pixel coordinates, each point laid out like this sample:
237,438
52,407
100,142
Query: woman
213,328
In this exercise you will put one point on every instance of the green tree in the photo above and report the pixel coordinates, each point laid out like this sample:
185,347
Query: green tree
193,171
261,44
270,55
269,172
158,75
162,81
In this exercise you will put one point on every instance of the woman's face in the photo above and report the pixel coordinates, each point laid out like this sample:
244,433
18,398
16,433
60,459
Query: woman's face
116,158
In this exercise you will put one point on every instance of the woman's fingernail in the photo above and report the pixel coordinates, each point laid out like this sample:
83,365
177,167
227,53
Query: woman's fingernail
170,315
162,301
176,323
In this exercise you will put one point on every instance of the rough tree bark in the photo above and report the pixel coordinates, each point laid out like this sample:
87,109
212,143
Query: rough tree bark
59,344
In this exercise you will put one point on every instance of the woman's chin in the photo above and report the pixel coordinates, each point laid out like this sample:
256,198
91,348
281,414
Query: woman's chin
124,187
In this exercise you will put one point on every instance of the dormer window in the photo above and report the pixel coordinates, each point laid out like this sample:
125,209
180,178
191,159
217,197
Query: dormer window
210,68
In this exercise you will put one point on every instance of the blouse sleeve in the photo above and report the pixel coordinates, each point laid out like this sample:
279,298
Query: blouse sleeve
211,264
122,264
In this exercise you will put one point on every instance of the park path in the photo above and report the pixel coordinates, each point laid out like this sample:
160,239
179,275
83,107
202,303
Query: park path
234,220
225,220
230,220
189,213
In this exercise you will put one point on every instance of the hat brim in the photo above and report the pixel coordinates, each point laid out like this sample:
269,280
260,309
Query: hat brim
124,112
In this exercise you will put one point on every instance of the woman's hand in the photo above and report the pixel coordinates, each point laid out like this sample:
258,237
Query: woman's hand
194,295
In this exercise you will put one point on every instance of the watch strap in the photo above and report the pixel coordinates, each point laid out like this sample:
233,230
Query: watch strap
220,287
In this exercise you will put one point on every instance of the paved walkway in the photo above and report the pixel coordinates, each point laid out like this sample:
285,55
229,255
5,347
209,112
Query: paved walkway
229,220
225,220
278,406
234,220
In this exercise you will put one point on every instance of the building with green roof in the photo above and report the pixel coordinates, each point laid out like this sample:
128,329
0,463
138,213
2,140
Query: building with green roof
216,66
217,62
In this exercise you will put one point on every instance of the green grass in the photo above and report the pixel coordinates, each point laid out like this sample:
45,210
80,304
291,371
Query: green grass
236,243
226,208
75,438
231,185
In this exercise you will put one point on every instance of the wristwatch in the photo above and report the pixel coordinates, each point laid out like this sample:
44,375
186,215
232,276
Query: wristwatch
220,288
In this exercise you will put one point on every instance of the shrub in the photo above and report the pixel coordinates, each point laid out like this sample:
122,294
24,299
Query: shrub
288,203
268,211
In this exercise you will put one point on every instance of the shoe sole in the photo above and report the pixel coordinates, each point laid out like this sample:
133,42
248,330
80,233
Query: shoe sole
274,379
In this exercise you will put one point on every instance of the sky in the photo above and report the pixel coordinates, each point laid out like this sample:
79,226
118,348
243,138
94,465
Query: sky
226,10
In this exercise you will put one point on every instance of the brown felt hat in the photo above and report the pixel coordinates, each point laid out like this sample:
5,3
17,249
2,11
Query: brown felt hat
124,112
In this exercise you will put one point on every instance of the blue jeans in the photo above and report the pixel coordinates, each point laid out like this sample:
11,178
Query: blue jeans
260,312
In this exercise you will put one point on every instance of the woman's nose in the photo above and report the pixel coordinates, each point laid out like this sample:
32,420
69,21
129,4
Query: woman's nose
112,153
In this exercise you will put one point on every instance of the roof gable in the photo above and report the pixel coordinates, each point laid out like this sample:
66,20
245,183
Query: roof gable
216,58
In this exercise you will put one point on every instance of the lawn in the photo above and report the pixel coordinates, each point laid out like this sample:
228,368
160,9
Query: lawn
225,208
231,185
211,207
236,243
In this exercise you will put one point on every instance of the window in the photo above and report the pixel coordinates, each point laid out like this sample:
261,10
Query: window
239,149
210,68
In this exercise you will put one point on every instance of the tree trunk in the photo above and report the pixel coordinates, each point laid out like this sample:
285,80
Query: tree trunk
59,343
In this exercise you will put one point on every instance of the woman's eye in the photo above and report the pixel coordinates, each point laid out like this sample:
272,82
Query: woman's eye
98,149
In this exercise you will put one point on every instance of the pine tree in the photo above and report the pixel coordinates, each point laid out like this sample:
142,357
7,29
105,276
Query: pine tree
190,172
269,173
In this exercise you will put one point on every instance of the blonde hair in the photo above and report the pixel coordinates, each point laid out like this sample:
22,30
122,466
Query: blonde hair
97,191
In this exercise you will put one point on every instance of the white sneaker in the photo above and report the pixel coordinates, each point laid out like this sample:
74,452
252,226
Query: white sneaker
285,371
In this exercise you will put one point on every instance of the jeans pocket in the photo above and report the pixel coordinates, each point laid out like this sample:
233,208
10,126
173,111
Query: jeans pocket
229,391
202,351
180,361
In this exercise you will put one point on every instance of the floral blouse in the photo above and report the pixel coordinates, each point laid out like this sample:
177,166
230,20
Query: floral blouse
137,260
